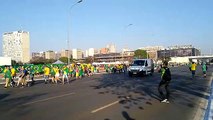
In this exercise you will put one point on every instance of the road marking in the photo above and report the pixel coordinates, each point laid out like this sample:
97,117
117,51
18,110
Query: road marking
106,106
50,98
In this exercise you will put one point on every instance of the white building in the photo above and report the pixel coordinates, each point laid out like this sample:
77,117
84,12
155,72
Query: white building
50,54
112,48
17,46
5,61
77,53
90,52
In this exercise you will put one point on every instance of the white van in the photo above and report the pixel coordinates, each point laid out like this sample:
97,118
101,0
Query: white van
141,67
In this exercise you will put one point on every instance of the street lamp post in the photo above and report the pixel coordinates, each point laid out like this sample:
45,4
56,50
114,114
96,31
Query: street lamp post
68,31
122,52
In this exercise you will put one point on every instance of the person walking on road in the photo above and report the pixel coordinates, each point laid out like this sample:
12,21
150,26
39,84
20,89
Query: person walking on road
204,69
7,76
22,77
31,75
57,74
193,69
65,74
165,80
13,74
46,74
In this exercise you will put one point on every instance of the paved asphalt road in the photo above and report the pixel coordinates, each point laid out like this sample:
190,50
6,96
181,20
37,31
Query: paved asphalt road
109,97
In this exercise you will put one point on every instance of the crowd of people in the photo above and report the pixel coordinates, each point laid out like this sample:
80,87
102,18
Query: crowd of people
54,73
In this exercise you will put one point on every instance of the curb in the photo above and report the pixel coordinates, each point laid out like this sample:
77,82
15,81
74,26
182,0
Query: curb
203,109
209,108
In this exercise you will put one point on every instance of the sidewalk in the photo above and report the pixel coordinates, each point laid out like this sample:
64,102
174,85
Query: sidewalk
209,108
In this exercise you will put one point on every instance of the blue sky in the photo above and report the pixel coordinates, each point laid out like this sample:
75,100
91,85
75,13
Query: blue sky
95,23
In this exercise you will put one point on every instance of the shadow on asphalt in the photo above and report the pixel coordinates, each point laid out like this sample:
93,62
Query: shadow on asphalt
18,101
126,116
184,90
2,96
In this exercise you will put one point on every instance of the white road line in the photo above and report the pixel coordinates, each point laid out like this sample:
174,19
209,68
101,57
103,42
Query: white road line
106,106
50,98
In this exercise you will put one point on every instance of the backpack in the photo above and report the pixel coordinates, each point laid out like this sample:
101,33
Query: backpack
166,75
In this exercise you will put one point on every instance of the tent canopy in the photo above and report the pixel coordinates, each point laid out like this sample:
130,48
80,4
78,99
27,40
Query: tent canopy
58,62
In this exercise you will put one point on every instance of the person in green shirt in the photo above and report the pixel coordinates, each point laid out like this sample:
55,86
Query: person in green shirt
31,74
7,76
81,72
65,74
204,69
52,73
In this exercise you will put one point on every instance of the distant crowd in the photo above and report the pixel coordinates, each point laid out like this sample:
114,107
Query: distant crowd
54,73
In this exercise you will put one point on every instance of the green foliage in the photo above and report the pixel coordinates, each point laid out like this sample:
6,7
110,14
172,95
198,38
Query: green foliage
41,60
63,59
89,60
13,62
140,54
48,61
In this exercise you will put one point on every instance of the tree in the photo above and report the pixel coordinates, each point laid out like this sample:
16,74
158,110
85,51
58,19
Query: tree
140,54
13,62
89,59
63,59
50,61
38,60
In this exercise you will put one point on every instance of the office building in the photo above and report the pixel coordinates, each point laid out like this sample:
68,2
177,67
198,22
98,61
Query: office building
111,48
66,53
179,51
38,54
17,46
90,52
50,55
77,53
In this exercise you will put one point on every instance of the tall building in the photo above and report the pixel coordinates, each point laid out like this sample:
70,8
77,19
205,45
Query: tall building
17,46
50,55
38,54
77,53
90,52
57,55
65,53
112,48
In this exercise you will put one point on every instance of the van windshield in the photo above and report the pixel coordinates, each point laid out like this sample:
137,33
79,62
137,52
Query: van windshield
138,62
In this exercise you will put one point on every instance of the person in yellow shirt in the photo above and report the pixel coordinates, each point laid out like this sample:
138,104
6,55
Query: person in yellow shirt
57,74
7,75
13,75
193,69
46,74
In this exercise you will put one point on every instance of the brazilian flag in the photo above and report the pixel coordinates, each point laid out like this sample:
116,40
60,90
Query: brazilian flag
16,68
40,68
36,68
2,69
